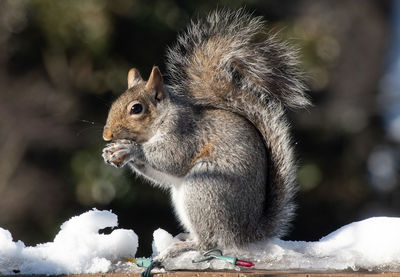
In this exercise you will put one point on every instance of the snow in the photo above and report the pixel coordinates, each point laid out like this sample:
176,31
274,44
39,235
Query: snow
161,240
371,244
77,248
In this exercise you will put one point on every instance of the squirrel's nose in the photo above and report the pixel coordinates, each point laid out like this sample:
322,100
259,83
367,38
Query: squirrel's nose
107,134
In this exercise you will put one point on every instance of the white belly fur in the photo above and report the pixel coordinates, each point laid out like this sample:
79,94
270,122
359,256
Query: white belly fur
178,200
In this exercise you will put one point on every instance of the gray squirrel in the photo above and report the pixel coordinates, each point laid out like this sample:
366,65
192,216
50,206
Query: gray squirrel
216,136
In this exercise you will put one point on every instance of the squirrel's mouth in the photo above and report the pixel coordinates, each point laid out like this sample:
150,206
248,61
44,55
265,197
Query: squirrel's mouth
124,140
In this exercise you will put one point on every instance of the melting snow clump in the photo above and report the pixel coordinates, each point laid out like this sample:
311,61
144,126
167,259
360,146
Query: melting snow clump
77,248
161,240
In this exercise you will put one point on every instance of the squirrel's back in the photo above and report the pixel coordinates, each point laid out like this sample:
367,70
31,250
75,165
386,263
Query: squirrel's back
229,61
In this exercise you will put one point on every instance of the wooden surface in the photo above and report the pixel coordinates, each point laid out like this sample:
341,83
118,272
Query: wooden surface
274,273
256,273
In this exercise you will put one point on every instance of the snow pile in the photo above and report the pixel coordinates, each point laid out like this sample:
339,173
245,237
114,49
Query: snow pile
372,244
77,248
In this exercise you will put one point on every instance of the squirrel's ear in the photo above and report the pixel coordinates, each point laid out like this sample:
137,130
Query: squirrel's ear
134,77
156,82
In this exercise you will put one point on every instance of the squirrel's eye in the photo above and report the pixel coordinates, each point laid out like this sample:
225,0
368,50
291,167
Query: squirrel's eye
136,109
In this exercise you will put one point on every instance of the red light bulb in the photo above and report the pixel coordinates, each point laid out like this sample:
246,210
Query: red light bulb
244,263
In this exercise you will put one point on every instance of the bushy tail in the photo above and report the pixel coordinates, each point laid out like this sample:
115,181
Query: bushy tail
229,61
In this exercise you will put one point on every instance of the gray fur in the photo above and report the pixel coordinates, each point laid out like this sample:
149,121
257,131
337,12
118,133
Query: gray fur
220,144
268,81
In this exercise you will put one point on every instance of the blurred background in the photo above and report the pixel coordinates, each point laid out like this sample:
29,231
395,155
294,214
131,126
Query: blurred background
63,62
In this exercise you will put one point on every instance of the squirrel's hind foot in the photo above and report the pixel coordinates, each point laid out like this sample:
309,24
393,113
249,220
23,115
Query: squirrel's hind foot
177,249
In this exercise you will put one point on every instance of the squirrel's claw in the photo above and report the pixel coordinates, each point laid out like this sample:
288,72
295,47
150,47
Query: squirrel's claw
118,153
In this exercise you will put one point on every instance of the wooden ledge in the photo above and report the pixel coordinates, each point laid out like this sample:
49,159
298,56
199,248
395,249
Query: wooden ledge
267,273
254,273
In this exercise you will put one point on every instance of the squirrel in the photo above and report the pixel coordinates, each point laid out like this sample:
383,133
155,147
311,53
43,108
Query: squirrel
216,135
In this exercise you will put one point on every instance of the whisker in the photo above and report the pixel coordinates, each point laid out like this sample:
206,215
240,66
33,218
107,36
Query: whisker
87,121
87,129
91,122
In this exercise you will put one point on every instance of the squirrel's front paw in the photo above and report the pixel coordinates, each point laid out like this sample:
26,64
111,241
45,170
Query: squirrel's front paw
118,153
